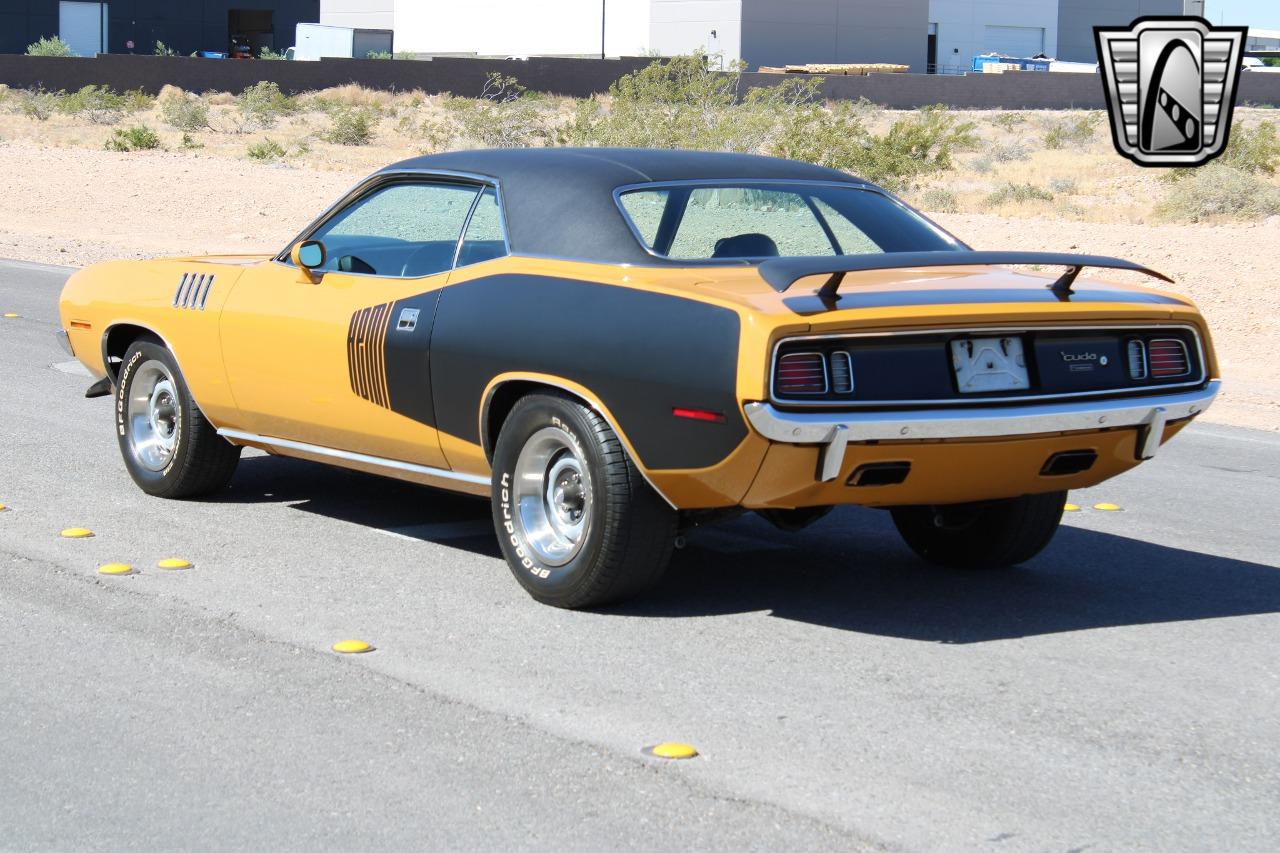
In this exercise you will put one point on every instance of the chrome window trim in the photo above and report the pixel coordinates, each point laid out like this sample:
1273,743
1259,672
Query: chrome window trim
826,376
984,401
374,181
620,191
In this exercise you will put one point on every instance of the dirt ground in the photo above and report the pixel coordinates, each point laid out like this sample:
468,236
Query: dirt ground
76,205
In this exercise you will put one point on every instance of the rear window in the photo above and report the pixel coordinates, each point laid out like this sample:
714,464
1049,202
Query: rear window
753,220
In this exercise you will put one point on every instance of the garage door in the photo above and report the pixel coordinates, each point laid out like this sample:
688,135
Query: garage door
1014,41
83,26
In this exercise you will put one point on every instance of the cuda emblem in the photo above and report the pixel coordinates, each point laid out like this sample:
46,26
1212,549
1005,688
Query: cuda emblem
1084,356
1170,85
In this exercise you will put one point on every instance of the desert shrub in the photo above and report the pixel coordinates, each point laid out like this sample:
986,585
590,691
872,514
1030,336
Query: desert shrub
263,103
505,115
97,103
269,54
350,126
1018,194
914,147
1008,121
679,103
163,49
1255,151
267,149
1072,133
190,143
1008,152
50,46
982,165
137,138
939,201
37,104
378,54
184,111
1064,186
1218,191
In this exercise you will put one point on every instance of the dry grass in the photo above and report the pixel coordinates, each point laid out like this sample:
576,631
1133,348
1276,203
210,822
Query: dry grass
1040,149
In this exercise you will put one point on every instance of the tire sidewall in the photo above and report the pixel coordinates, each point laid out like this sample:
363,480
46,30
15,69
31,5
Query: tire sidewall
531,415
139,354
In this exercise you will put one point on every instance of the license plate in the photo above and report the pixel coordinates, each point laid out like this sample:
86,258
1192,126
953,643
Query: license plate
989,364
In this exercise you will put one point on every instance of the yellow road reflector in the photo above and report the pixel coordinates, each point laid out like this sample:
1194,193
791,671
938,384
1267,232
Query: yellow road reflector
3,508
1071,508
352,647
173,563
115,569
1105,507
672,750
76,533
11,316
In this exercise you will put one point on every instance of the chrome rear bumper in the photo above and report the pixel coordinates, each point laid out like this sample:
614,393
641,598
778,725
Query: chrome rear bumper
836,429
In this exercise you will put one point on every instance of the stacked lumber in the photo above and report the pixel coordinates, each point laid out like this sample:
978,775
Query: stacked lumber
855,69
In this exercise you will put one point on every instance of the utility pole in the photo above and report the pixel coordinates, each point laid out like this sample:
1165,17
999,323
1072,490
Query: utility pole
602,10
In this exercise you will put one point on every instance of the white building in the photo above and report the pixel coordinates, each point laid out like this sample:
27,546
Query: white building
923,34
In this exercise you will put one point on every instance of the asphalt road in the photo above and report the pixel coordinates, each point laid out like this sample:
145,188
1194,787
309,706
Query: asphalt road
1120,692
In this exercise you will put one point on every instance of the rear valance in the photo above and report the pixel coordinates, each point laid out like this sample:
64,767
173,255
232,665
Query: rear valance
782,273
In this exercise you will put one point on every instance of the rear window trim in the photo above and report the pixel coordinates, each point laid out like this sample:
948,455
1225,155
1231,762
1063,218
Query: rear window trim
710,183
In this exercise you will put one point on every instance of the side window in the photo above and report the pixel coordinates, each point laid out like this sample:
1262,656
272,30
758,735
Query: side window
485,239
404,230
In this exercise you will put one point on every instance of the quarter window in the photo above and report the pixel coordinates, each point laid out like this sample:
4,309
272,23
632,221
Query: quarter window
403,230
485,239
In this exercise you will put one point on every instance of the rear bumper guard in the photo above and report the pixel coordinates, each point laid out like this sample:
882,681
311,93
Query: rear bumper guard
835,430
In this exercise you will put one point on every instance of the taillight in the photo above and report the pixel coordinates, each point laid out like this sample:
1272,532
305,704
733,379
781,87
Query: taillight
841,372
1168,358
1137,360
801,373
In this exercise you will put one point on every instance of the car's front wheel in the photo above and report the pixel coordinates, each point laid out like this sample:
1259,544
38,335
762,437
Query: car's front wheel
578,524
992,534
169,447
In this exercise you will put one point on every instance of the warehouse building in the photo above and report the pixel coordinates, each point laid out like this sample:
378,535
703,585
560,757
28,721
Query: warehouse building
134,26
926,35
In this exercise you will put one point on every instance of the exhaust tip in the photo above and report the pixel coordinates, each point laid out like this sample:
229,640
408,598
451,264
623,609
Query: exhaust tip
1069,462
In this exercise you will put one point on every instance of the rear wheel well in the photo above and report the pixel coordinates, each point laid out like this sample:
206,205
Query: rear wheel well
502,401
119,338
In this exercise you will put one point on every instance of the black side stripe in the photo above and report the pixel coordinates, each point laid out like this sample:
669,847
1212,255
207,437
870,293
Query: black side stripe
367,354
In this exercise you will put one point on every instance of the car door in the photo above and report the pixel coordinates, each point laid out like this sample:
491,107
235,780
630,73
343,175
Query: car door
343,362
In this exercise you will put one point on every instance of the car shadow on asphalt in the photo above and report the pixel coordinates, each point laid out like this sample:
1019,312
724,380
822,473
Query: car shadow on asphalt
849,571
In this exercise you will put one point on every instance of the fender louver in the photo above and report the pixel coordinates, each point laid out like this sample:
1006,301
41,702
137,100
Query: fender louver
193,291
367,354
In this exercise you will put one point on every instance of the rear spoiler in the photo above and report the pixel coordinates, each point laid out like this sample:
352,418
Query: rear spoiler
782,273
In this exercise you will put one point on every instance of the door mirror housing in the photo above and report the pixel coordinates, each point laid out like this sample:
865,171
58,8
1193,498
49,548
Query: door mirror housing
309,256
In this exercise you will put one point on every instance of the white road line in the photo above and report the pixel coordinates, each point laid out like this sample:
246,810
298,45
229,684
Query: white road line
72,368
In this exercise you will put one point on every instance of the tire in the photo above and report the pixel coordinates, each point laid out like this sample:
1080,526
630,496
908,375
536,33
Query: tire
169,448
994,534
578,525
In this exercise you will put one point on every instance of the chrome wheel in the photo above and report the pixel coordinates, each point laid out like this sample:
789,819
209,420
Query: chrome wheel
152,415
552,496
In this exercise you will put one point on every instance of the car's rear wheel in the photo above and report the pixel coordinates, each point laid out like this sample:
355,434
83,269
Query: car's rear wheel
992,534
578,524
168,446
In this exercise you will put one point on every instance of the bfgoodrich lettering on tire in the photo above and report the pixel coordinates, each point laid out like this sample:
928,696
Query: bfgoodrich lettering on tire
169,448
577,523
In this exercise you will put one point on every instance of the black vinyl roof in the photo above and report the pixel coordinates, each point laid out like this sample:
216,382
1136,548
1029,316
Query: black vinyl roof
559,201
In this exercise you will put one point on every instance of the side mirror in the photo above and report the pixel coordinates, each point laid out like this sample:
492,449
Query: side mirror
309,256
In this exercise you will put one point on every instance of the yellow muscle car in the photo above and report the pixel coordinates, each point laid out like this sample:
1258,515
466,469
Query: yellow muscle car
615,345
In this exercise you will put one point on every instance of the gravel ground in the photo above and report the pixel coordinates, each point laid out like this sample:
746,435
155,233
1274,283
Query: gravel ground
80,205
